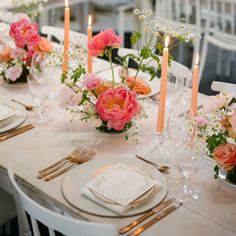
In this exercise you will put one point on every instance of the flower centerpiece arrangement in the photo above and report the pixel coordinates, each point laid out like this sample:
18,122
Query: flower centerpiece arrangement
16,56
114,104
216,123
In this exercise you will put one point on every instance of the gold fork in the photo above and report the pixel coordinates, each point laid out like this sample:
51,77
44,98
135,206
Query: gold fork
77,154
83,159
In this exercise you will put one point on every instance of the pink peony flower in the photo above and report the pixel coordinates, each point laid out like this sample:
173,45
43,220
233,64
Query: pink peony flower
91,81
213,103
200,121
106,38
24,33
117,106
18,53
68,97
13,72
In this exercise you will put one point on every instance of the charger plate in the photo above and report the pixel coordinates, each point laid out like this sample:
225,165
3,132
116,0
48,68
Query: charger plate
17,119
76,179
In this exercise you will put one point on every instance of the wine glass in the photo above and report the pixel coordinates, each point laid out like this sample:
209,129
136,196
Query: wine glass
40,82
188,146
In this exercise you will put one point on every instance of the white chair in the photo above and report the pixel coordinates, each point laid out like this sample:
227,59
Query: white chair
220,32
224,87
58,33
171,12
54,221
176,68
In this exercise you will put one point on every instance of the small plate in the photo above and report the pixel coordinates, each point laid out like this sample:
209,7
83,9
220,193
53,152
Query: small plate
18,119
76,179
6,111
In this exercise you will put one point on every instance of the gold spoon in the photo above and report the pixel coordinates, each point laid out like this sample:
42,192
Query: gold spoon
162,168
27,107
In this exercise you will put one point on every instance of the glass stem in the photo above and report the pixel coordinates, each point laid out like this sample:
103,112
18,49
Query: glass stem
187,186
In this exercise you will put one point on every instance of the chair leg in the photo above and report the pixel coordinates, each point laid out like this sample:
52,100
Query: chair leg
229,64
121,21
203,57
219,62
8,228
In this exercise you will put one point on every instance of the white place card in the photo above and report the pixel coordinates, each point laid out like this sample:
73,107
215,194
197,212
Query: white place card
121,184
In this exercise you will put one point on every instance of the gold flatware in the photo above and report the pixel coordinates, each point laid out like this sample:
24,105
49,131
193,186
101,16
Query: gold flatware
27,107
16,132
77,154
160,215
85,158
153,211
162,168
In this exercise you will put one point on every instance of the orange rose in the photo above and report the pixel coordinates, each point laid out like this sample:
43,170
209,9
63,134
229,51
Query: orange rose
225,155
5,55
139,85
44,45
229,123
103,87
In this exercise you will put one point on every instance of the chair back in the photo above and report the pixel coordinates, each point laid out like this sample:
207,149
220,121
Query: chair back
173,12
54,221
58,33
219,86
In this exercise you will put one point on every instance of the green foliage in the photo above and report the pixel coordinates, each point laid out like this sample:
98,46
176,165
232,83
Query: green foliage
231,175
63,77
145,52
77,73
103,128
215,140
135,37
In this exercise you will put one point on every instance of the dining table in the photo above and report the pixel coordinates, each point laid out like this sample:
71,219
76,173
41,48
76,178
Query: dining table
214,213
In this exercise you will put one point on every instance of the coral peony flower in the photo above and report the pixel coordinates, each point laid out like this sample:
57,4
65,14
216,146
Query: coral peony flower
213,103
68,97
225,155
91,81
18,53
138,85
13,72
44,45
24,33
5,55
106,38
117,106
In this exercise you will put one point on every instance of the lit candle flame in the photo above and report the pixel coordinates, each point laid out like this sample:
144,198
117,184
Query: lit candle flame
89,20
167,41
197,59
66,3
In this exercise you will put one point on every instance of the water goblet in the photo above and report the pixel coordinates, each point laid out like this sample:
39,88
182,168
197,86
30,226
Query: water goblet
40,82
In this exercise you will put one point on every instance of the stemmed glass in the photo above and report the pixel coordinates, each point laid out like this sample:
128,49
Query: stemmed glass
188,146
175,85
40,82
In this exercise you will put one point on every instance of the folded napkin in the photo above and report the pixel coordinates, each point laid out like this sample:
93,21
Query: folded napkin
119,187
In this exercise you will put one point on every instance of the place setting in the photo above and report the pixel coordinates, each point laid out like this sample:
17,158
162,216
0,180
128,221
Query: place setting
12,116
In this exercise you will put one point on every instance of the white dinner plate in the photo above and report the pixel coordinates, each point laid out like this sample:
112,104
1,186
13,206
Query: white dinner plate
17,119
76,179
6,111
154,84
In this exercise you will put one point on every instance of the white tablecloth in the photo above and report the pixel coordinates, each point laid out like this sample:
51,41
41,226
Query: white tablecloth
213,214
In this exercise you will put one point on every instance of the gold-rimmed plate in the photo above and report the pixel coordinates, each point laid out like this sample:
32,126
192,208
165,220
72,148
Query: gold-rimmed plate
76,179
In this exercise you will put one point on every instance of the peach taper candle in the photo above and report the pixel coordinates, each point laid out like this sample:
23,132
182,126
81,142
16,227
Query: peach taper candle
195,86
164,71
89,35
66,36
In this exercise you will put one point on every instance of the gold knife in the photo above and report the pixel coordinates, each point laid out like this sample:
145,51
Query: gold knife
13,134
15,130
146,215
161,215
